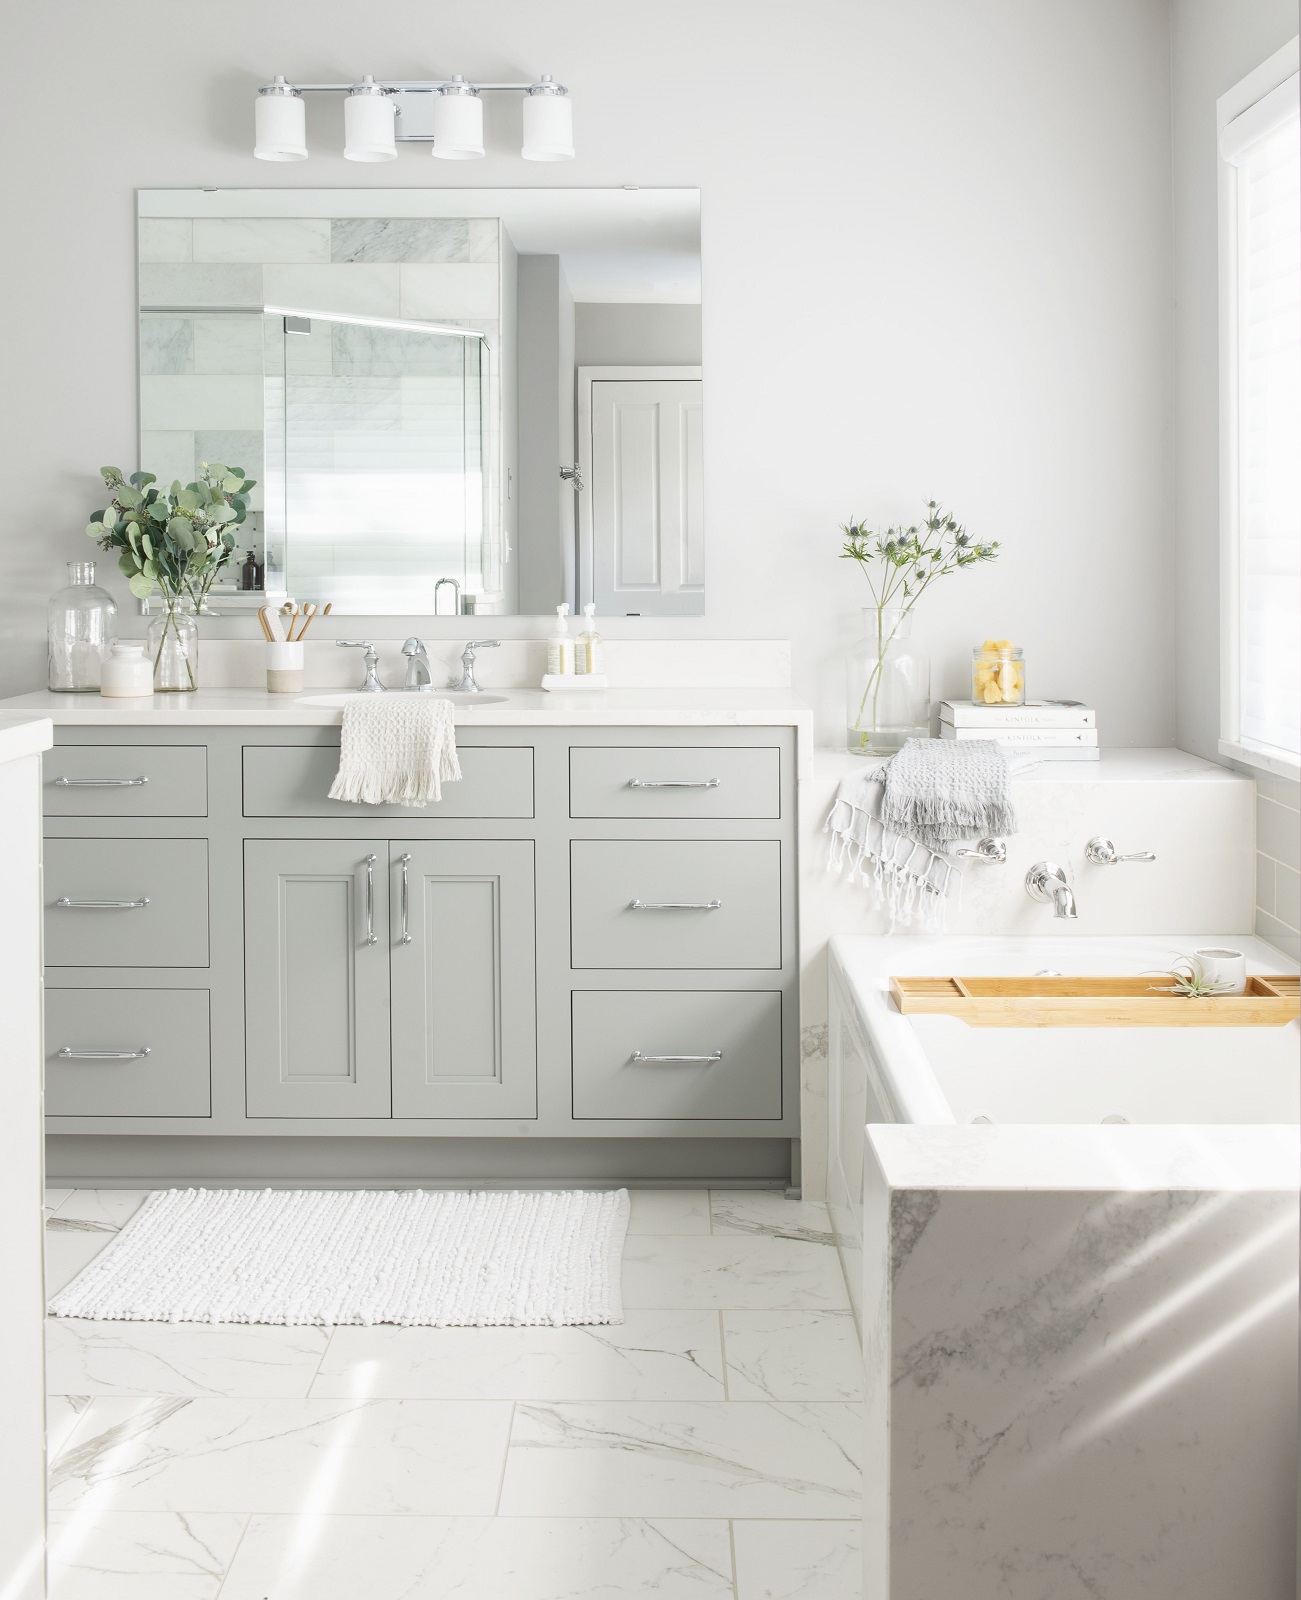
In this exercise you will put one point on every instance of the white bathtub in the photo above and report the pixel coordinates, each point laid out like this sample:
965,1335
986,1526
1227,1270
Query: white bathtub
1072,1253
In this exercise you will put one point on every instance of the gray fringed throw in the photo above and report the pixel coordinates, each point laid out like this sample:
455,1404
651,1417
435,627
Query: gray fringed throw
944,791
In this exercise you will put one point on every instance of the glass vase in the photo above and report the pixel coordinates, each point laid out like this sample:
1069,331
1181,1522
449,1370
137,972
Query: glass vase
173,647
81,630
889,686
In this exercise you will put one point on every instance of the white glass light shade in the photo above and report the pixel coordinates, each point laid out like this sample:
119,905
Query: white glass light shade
458,126
368,126
280,124
548,127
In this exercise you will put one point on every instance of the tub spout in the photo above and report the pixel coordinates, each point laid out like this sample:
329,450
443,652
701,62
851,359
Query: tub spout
1046,881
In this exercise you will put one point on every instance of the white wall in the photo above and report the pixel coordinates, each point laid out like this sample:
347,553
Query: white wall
617,334
949,275
1215,43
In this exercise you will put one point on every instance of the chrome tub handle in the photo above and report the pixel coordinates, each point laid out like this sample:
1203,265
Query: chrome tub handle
371,936
674,783
716,1055
102,905
69,1054
406,936
993,852
99,783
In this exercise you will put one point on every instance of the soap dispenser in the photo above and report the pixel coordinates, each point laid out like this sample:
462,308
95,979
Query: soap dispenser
591,646
560,647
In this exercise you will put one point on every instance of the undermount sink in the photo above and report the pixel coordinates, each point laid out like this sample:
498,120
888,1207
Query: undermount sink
456,696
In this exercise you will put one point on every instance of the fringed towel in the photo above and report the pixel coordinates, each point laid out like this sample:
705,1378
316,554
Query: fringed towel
942,792
910,881
396,749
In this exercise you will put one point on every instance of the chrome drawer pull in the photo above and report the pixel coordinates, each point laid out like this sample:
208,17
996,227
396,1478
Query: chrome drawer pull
675,1060
371,936
406,935
102,905
674,783
69,1054
675,905
99,783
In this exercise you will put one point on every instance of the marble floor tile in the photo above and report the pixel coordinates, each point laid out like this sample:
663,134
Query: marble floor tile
62,1414
770,1212
437,1558
68,1251
98,1210
652,1355
678,1460
669,1211
753,1273
140,1555
370,1456
221,1360
798,1560
792,1355
54,1198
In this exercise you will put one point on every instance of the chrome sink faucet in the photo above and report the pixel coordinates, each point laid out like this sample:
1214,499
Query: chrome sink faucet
371,685
419,673
467,685
1046,881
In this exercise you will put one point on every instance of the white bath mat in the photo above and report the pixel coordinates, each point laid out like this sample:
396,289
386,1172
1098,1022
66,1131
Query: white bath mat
430,1259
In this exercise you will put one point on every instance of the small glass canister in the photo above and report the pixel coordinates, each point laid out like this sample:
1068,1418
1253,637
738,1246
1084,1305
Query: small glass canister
82,626
997,674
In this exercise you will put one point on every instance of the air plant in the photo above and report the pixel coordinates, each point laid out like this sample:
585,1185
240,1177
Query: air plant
1190,980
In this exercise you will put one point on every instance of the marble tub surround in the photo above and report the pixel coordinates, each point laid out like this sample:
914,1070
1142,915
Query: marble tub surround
1081,1352
707,1446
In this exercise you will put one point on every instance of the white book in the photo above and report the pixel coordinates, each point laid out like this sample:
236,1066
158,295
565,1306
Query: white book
1026,738
1033,714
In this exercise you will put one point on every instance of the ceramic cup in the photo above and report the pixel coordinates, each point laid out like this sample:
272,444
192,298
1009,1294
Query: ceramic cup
1225,967
285,668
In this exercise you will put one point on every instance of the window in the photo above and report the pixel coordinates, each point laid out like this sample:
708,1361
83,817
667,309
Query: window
1260,385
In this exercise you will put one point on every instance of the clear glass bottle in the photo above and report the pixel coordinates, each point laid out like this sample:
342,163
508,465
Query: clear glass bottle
172,645
889,686
82,626
997,674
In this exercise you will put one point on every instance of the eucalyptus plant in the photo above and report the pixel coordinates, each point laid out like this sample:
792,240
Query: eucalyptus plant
899,566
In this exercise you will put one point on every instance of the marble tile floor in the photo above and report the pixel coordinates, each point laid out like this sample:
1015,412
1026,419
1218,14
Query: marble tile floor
705,1449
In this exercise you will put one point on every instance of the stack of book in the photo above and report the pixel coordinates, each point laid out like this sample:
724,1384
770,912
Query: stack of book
1059,730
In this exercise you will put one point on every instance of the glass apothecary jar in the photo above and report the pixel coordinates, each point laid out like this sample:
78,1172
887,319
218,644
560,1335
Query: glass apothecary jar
997,674
888,684
172,644
82,624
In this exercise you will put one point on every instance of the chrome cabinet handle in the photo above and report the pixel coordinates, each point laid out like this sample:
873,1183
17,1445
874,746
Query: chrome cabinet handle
99,783
406,936
1102,853
69,1054
674,905
716,1055
674,783
991,851
371,936
102,905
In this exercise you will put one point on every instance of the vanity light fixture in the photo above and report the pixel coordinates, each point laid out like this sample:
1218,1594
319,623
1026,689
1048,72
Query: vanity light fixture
444,113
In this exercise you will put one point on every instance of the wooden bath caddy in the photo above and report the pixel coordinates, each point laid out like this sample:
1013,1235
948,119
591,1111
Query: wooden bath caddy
1097,1002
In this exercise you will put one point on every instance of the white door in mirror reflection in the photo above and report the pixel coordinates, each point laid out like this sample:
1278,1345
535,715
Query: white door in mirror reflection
643,517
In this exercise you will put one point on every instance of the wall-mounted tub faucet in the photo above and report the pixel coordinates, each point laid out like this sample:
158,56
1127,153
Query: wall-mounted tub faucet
1046,881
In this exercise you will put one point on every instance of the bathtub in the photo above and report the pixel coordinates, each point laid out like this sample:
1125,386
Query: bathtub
1072,1253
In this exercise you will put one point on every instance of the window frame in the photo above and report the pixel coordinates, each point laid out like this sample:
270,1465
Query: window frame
1272,73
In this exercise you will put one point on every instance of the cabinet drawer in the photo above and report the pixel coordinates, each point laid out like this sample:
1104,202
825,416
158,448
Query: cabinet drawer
126,780
148,902
107,1073
666,781
739,1034
669,903
294,781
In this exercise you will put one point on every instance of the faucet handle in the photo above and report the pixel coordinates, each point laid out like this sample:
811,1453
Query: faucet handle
991,851
1102,853
371,683
482,644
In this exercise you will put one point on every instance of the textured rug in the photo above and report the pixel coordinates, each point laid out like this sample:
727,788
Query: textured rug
415,1257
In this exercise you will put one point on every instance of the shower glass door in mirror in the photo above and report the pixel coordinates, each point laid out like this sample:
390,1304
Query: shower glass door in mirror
452,400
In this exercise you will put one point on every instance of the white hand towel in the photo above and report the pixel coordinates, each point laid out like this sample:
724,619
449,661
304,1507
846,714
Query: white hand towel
912,882
396,749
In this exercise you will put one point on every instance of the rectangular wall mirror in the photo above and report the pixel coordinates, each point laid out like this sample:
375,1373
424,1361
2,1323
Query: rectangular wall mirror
454,401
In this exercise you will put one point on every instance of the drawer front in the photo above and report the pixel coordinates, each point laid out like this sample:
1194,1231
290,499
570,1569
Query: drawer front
294,781
739,1034
661,904
663,782
148,902
126,780
105,1071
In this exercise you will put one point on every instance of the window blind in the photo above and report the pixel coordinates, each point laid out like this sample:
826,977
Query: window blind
1264,144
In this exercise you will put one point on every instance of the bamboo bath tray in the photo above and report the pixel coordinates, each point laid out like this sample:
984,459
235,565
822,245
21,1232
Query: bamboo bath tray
1097,1002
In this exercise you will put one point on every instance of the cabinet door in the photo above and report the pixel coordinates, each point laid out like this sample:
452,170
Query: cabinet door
317,978
464,1012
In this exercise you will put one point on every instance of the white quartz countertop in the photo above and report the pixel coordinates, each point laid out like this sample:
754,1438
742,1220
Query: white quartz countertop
23,734
1116,764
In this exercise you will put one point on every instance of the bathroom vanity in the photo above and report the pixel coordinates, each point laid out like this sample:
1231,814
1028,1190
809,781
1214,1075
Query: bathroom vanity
590,938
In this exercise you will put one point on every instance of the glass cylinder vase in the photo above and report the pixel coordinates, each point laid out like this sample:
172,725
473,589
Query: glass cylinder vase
889,686
81,630
173,647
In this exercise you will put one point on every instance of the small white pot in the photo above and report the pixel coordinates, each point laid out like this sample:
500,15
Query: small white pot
126,672
1225,967
285,667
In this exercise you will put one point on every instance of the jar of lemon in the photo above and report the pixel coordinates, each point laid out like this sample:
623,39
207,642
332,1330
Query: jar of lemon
997,674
